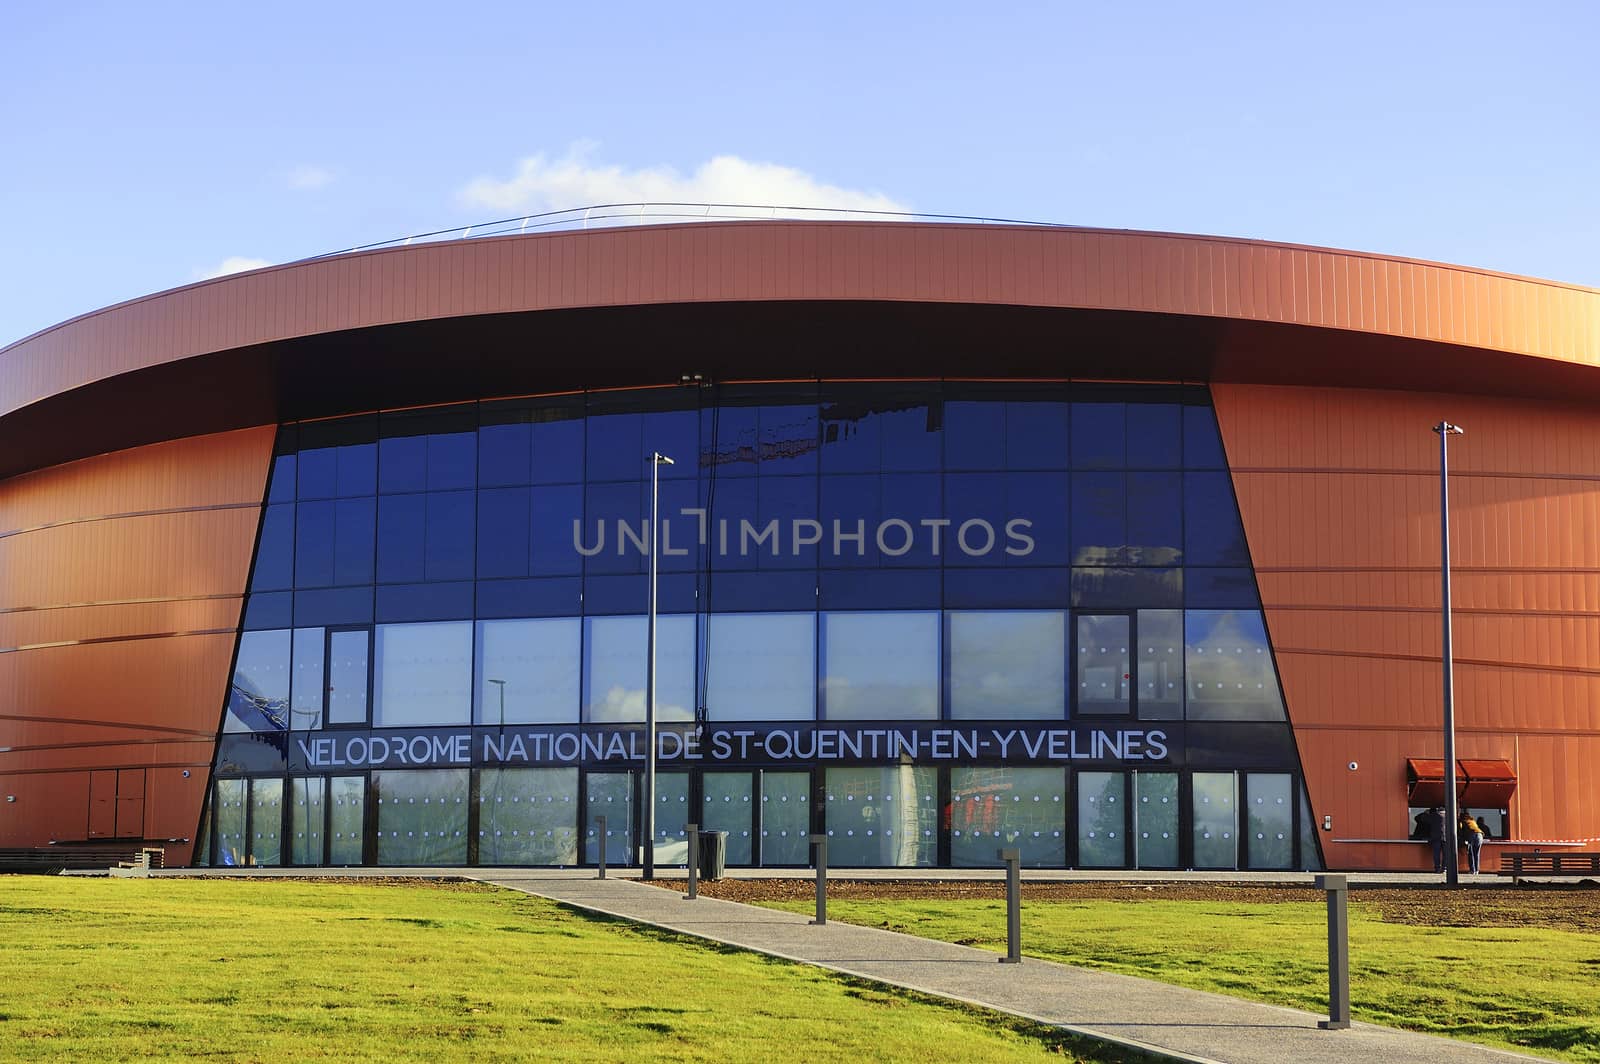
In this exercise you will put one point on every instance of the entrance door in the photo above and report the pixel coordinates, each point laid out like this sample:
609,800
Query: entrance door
609,795
729,806
1155,819
785,818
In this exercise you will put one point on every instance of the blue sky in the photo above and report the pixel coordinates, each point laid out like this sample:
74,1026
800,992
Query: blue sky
143,146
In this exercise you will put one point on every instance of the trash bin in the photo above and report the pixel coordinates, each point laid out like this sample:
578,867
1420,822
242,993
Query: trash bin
713,854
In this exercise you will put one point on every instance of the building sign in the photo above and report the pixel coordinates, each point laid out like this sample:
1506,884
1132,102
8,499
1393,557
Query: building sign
798,744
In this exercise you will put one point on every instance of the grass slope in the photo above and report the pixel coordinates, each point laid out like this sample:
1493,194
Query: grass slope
259,971
1524,988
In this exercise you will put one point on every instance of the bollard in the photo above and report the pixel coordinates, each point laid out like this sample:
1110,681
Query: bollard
820,844
602,821
1338,952
1013,860
694,860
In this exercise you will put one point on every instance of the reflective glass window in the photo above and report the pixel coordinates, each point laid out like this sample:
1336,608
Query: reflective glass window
450,536
503,532
228,818
422,816
761,666
552,513
528,816
259,698
615,533
275,554
1215,820
1228,666
1155,819
1099,436
727,806
528,671
1202,443
1020,520
1212,534
882,817
610,795
282,477
1160,677
309,684
672,818
865,430
785,818
999,806
334,542
975,434
505,453
402,538
1102,820
1099,519
313,544
1007,665
266,822
558,438
347,804
1103,665
614,655
348,654
1220,589
308,816
1155,435
1155,519
1269,819
880,666
1122,588
423,674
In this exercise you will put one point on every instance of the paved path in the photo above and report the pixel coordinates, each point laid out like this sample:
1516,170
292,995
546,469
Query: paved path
1178,1023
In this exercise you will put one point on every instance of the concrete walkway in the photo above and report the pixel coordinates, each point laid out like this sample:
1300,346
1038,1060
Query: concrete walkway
1166,1020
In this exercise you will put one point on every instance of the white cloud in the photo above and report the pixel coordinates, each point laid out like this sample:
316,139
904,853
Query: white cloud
231,264
544,184
305,177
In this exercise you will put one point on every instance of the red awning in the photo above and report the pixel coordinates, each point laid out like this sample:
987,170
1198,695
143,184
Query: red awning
1481,783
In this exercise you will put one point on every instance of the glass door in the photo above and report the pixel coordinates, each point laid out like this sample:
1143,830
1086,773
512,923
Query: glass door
1104,668
1155,819
728,806
1102,820
609,795
785,818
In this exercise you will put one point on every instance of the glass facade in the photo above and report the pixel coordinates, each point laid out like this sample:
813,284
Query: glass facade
926,618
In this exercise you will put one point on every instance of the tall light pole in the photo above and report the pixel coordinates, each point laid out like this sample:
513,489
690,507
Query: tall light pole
657,460
1452,872
502,685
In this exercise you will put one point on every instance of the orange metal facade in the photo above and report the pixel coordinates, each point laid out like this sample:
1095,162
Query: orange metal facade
1339,491
121,574
121,578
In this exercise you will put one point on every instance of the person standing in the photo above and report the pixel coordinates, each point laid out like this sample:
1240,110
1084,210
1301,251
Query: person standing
1472,835
1436,836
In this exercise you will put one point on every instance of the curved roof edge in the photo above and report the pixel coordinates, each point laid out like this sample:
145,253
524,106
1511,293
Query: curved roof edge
706,262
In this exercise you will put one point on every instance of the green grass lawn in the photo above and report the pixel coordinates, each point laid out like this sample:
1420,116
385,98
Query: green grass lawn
94,969
1530,989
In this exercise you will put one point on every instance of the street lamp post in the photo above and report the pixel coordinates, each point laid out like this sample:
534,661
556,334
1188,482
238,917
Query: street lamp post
657,460
501,684
1452,871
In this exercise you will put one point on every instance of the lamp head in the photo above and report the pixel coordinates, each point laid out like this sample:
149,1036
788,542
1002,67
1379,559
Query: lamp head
661,459
1447,429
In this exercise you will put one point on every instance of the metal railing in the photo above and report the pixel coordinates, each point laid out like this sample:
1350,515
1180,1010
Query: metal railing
602,215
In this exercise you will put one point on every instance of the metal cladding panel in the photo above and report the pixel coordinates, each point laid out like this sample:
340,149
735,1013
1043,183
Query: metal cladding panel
122,578
777,261
1339,493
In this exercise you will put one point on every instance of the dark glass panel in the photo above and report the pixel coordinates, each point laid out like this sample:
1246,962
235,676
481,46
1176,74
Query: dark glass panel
900,538
625,428
1212,532
272,610
1202,444
313,551
503,534
530,598
282,480
1155,518
553,510
505,454
1120,589
450,536
402,535
355,533
614,526
1099,518
1155,436
1220,588
1006,588
745,590
849,515
788,500
424,602
1028,512
452,461
557,446
975,434
331,606
403,464
628,593
866,429
730,440
878,589
319,473
428,450
339,458
1099,432
275,554
728,502
680,548
1037,432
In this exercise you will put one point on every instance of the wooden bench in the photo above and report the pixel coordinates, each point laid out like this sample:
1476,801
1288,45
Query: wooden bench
1519,865
80,858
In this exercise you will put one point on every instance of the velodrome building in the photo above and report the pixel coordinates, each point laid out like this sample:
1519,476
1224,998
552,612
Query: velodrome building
1122,548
